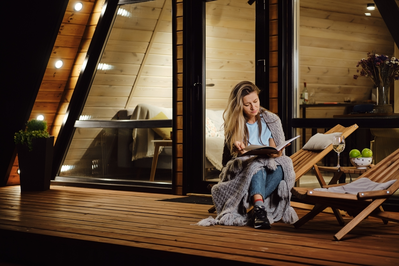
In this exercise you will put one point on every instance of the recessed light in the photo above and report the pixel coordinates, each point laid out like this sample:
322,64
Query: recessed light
370,6
368,14
40,117
78,6
59,64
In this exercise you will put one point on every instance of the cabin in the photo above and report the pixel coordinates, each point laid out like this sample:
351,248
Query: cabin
133,92
138,101
128,61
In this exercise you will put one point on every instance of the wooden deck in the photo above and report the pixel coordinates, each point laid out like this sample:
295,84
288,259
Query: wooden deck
82,226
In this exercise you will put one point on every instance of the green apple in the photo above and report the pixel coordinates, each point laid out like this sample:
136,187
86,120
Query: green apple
367,152
355,153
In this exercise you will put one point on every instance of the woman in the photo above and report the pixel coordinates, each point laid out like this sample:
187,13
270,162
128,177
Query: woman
252,180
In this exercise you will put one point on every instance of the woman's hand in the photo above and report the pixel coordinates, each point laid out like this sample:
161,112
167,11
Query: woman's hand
280,153
239,147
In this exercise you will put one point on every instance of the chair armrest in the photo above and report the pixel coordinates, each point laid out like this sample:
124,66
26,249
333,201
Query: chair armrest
374,194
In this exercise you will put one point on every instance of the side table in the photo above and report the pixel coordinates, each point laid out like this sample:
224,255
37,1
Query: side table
158,144
338,172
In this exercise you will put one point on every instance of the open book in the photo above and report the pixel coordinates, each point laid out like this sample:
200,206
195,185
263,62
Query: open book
260,149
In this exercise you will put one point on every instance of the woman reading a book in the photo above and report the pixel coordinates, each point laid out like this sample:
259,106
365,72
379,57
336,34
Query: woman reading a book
261,181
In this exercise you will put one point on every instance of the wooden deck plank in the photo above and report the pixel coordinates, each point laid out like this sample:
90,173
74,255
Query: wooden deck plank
144,222
119,227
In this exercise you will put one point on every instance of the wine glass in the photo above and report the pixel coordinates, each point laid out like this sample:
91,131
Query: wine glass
338,146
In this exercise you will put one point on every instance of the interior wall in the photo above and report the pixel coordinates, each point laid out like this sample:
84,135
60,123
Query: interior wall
230,48
334,36
136,66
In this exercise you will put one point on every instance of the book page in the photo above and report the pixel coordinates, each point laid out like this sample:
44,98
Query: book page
282,145
268,149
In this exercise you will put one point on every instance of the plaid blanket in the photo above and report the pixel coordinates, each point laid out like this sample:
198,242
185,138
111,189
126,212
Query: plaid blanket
231,194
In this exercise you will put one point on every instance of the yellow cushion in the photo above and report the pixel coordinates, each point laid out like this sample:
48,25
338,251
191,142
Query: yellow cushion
164,132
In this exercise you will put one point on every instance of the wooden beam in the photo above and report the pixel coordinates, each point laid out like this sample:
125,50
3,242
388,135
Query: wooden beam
389,11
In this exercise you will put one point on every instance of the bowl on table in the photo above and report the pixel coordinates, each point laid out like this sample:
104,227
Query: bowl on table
361,162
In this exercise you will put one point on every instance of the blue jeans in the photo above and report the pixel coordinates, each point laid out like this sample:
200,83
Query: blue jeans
265,181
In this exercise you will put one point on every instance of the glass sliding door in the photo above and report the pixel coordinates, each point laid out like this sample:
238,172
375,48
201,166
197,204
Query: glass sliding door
132,85
230,58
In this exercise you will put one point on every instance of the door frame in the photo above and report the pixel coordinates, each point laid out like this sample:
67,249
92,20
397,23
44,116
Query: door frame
194,85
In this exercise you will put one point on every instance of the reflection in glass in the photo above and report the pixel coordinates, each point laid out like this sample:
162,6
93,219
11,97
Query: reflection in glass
230,57
133,81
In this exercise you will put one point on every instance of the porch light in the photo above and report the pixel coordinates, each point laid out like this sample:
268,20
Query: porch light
78,6
59,64
40,117
370,6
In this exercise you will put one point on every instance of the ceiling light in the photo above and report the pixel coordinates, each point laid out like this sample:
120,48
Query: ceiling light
368,14
370,6
40,117
78,6
59,64
85,117
65,168
104,66
124,13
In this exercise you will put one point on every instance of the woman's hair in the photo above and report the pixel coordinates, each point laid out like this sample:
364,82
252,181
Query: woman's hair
235,128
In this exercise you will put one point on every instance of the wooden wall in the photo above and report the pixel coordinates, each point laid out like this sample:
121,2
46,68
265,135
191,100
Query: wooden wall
57,85
136,67
334,35
139,57
178,104
230,48
273,56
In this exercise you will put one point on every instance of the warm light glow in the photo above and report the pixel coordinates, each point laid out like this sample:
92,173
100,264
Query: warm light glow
65,168
85,117
124,13
59,64
78,6
370,6
104,66
40,117
368,14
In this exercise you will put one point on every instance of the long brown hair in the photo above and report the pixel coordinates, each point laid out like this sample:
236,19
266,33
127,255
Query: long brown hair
235,128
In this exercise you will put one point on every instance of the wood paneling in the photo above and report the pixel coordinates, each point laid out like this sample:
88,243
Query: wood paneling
334,36
57,84
136,67
139,63
178,75
273,56
230,48
82,42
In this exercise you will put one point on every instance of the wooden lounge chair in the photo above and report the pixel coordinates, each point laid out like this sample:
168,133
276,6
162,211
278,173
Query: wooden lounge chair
304,160
361,205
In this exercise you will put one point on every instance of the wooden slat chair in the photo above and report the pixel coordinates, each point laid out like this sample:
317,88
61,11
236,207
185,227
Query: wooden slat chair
304,160
362,205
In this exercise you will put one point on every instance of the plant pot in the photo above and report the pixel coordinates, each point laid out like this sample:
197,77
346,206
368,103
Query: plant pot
35,166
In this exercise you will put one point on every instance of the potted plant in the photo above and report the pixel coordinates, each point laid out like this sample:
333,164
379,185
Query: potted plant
35,156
